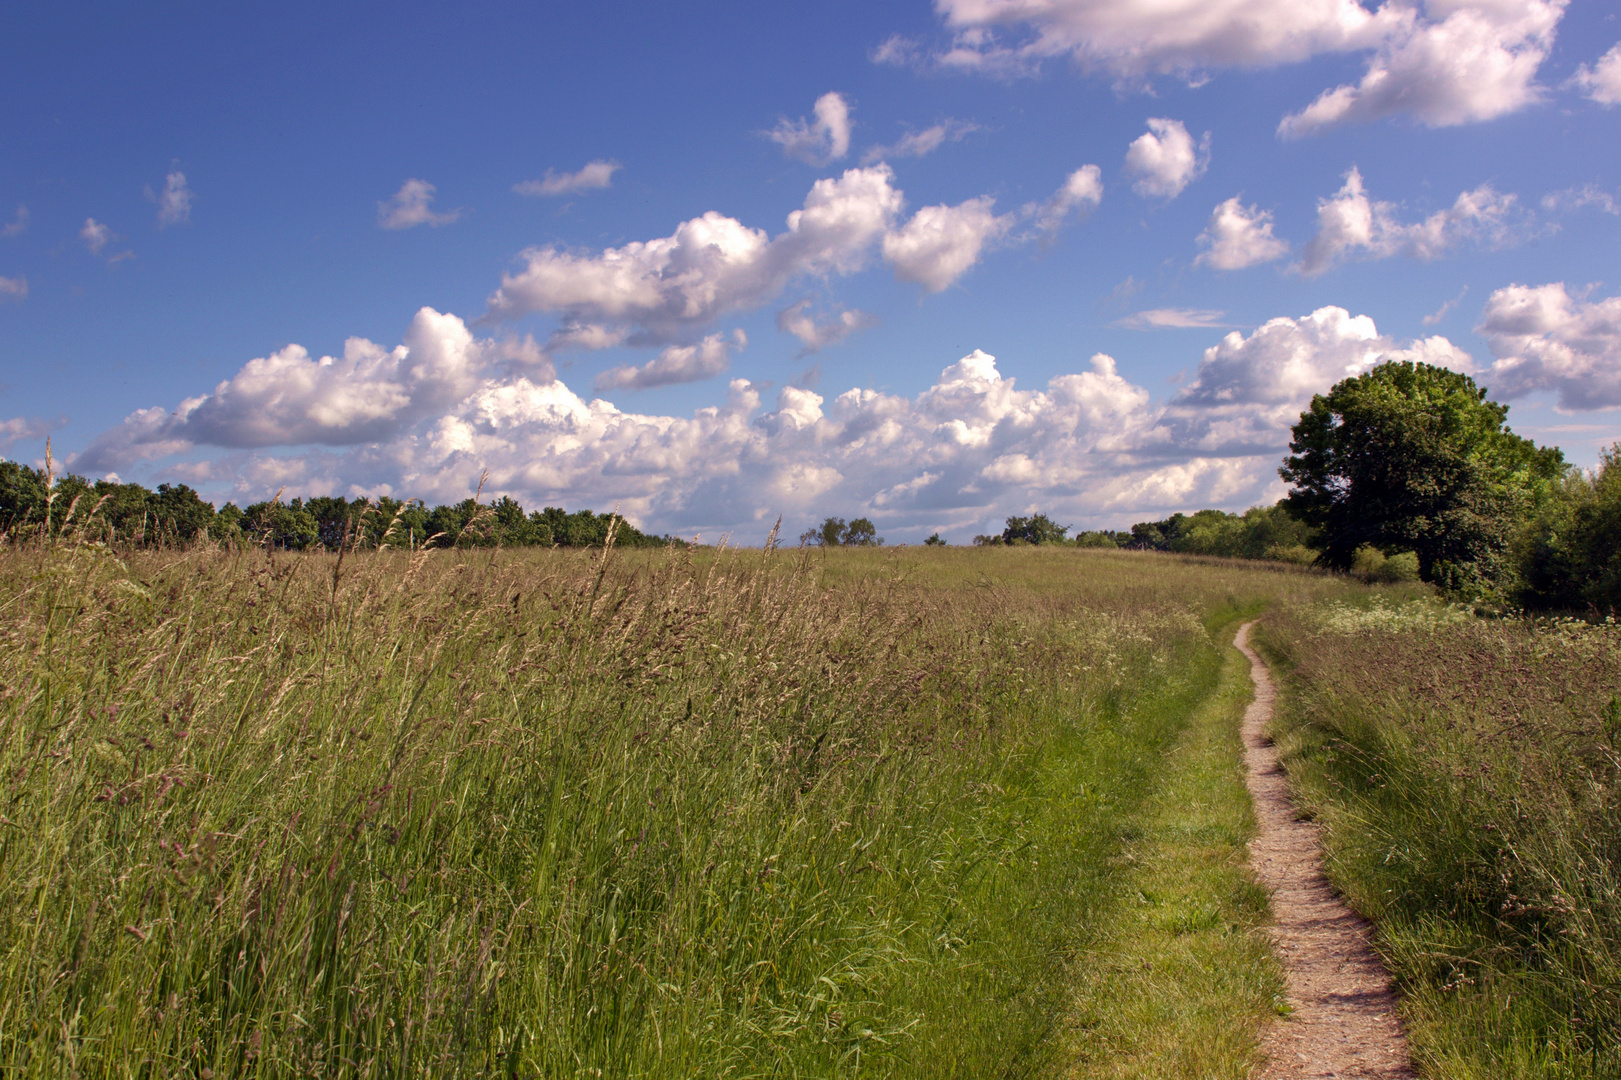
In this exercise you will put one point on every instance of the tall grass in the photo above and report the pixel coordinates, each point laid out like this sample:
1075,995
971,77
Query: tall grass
568,813
1468,776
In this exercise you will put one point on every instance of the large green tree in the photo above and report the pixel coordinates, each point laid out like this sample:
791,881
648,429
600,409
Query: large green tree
1412,457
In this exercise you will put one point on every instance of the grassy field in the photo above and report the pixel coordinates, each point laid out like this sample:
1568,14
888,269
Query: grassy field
890,813
1467,774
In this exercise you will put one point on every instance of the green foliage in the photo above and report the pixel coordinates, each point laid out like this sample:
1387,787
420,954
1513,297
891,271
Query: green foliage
1371,564
934,540
175,514
1035,529
1041,529
1412,457
834,532
1570,556
1261,532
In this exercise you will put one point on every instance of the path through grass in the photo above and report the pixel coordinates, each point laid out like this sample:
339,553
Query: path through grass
551,814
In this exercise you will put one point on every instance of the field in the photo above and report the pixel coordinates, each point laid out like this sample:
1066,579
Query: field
1465,772
922,812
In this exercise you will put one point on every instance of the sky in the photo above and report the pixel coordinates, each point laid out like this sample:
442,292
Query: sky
929,263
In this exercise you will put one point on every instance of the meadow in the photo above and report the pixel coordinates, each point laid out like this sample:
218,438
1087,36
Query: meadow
549,812
1467,776
822,812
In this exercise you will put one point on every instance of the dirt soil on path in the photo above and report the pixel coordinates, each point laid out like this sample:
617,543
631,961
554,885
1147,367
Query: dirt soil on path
1343,1022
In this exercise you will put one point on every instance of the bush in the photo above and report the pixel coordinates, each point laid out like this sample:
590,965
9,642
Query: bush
1371,564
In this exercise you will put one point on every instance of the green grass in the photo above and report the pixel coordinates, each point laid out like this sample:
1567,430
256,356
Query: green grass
1182,979
555,813
1467,778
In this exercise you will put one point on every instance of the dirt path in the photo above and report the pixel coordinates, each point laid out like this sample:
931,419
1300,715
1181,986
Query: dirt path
1344,1018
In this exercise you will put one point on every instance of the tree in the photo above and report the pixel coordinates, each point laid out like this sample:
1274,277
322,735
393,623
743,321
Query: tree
1412,457
935,540
1037,529
1570,555
862,533
830,533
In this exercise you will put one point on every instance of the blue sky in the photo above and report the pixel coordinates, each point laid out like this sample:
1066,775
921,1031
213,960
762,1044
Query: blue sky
553,243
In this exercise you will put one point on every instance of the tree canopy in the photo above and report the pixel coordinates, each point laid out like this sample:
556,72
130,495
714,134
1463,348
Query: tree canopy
31,499
1412,457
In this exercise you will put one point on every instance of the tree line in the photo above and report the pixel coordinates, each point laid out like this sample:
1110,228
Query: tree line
32,499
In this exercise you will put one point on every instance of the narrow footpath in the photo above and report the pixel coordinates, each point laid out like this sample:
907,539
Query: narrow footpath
1343,1022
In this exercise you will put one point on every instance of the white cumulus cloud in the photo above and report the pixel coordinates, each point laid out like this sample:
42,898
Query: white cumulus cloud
710,266
1239,236
589,177
817,142
941,243
1477,63
291,398
411,206
1546,339
425,418
675,364
1165,160
1352,225
669,289
1602,81
1445,62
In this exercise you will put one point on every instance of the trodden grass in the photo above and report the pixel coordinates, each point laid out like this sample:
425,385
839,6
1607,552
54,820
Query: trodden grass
1182,977
577,814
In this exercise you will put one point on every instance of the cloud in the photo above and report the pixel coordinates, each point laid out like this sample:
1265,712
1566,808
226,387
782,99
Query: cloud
97,236
13,288
1351,225
1441,312
667,290
26,429
174,201
1478,63
1248,390
425,418
941,243
290,398
1573,198
825,140
408,207
710,266
593,175
676,364
1172,319
1164,159
1081,192
1239,236
18,225
1451,62
1602,82
921,143
1546,339
798,321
